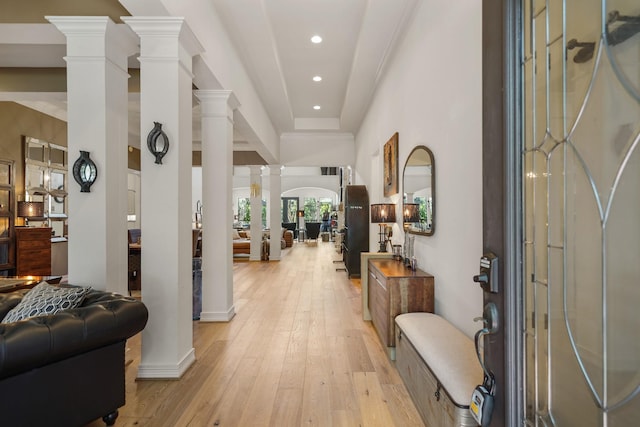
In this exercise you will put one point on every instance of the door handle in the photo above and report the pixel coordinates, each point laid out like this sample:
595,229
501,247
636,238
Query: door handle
489,318
491,325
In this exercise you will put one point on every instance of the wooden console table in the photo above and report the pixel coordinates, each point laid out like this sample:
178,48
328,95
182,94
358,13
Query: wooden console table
33,251
395,289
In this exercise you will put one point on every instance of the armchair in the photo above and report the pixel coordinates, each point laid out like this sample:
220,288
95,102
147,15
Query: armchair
68,368
313,230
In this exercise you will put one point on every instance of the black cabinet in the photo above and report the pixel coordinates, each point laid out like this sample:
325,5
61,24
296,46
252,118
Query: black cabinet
356,227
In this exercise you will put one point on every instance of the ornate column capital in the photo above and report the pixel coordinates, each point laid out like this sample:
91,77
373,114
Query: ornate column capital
215,103
95,38
165,38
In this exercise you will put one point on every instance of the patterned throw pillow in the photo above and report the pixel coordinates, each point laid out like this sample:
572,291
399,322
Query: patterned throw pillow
45,299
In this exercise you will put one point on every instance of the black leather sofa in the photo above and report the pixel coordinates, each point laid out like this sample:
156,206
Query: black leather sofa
66,369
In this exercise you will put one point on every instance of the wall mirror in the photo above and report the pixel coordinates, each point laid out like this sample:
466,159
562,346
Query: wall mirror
419,184
131,205
45,180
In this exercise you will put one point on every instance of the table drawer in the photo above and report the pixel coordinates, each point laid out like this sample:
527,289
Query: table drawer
33,244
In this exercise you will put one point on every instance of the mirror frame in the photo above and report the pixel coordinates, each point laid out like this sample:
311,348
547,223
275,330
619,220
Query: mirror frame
433,192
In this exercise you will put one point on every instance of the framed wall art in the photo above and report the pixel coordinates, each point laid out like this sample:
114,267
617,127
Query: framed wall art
390,174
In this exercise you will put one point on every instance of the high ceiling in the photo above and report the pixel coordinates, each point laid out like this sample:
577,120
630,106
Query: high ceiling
272,38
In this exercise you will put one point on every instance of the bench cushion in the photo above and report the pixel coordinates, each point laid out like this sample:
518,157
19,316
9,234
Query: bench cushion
446,350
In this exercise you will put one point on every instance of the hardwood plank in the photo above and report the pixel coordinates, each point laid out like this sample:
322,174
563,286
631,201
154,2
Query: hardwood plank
296,353
288,411
400,406
373,404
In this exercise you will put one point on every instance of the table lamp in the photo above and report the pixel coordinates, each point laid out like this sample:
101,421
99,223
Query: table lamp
31,211
410,214
383,213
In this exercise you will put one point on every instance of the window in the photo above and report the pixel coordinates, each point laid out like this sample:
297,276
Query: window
244,211
310,209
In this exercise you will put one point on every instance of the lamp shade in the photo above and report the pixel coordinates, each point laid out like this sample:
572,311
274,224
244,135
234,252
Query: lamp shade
383,212
411,212
31,209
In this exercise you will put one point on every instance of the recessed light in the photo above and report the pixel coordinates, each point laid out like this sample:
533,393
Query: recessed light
316,39
317,78
316,107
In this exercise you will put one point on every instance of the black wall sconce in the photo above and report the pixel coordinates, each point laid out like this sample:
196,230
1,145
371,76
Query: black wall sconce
158,149
85,172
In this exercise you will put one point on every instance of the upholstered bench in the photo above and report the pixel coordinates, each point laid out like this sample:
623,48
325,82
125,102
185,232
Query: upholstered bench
439,367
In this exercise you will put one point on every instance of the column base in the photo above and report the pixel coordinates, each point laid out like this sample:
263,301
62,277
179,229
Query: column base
167,371
218,316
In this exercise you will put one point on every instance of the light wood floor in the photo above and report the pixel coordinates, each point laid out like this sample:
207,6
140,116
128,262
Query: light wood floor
297,353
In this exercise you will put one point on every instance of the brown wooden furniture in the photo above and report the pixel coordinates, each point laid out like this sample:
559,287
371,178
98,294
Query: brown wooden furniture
395,289
33,251
15,283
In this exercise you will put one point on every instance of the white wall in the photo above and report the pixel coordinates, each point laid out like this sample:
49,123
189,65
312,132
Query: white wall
303,149
431,94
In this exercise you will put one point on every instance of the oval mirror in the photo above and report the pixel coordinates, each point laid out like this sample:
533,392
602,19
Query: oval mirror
419,185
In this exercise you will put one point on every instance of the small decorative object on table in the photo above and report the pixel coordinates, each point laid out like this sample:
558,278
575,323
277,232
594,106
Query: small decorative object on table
397,252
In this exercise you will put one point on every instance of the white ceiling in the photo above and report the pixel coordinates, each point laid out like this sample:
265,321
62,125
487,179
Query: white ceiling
272,38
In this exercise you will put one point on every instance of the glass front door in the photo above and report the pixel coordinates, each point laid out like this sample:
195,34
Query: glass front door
581,195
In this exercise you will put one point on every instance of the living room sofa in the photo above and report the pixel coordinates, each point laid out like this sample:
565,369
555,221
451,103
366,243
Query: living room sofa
66,369
242,241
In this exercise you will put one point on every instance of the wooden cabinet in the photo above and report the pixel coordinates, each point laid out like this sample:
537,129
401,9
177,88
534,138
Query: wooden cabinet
395,289
33,251
356,227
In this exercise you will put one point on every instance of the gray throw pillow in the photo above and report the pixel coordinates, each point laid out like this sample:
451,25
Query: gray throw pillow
45,299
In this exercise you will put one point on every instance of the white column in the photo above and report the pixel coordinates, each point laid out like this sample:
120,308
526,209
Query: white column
97,51
167,46
275,225
255,198
217,214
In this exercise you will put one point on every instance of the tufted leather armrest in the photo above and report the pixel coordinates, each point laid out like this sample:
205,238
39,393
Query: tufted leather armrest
103,318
